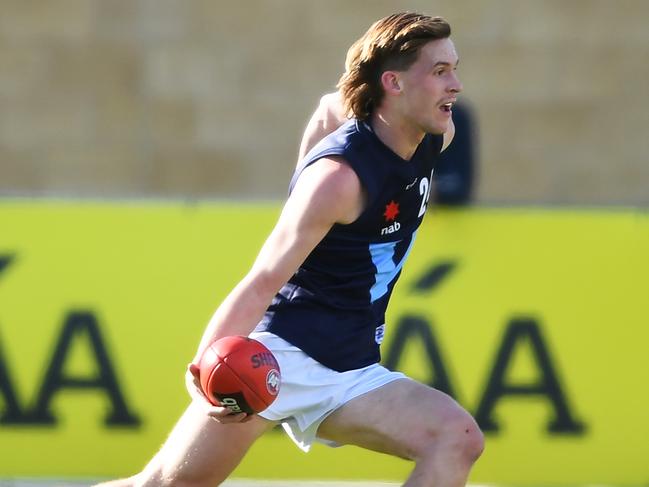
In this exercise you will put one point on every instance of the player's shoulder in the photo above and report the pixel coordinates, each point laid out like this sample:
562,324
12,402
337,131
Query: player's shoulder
347,136
331,104
334,172
355,136
332,188
447,137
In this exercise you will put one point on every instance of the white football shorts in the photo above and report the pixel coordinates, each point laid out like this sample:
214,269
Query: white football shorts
310,392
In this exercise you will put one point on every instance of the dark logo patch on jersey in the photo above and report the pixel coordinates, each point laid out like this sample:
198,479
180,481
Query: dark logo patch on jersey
391,211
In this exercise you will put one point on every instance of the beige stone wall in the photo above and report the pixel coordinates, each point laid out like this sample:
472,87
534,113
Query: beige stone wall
206,98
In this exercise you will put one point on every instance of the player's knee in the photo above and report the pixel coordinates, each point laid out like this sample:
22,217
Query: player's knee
463,434
459,436
473,443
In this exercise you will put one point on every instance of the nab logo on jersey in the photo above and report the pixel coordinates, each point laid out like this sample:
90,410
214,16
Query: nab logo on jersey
390,228
391,212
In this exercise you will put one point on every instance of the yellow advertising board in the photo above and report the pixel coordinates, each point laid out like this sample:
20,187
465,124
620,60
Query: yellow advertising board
534,319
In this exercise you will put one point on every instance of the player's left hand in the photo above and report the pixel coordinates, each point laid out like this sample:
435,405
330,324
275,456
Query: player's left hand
217,413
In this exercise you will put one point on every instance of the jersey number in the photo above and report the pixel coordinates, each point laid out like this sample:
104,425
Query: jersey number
424,191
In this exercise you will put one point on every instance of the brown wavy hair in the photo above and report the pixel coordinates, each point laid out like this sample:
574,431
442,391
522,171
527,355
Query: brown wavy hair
391,43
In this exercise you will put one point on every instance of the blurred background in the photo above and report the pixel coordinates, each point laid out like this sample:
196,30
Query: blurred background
136,134
208,99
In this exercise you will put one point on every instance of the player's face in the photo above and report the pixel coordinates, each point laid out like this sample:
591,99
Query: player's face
430,87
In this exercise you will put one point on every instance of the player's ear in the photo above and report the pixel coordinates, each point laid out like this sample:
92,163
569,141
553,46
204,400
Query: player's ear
391,82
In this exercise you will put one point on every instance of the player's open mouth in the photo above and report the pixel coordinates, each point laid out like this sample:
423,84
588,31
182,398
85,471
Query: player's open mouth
447,107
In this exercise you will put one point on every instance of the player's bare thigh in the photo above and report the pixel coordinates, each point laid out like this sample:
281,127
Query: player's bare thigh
200,451
399,418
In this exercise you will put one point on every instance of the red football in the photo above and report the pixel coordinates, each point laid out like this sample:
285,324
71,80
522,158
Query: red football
239,373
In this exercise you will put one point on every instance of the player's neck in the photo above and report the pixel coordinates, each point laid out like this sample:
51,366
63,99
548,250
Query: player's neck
401,137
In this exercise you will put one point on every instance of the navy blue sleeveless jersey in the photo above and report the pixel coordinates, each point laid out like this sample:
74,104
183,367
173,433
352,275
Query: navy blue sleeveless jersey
333,308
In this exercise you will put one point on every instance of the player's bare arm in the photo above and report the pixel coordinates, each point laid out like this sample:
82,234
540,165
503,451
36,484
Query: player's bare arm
326,193
448,135
328,116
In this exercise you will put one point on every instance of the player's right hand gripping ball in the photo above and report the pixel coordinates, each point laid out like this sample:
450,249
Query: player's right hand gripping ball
239,373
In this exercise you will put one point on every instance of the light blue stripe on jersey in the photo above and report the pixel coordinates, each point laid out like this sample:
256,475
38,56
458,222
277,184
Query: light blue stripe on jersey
386,269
